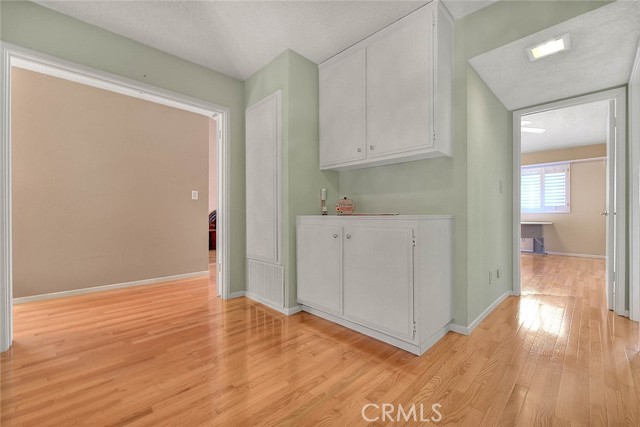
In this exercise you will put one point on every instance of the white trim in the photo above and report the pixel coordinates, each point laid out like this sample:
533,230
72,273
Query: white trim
634,177
619,95
6,291
292,310
223,218
287,311
517,214
626,313
429,342
467,330
416,349
11,54
104,288
590,159
576,255
79,74
238,294
462,330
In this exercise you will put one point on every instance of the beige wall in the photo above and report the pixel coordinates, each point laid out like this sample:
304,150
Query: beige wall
563,154
213,165
102,187
582,231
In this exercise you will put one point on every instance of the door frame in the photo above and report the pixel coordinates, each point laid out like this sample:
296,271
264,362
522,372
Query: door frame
619,95
10,55
634,187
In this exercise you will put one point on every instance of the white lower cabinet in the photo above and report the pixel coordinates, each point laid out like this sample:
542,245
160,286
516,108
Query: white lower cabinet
387,277
319,267
378,263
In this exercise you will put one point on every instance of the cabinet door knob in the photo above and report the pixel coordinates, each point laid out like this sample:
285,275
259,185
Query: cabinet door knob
359,150
335,236
371,147
348,236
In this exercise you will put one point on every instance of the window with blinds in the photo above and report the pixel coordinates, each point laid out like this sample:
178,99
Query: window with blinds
545,189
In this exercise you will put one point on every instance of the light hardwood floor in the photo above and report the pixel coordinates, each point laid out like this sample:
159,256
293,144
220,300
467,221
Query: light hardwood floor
176,355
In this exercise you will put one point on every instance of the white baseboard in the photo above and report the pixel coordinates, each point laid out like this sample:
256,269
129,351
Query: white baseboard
287,311
292,310
577,255
415,348
237,294
466,330
463,330
103,288
433,339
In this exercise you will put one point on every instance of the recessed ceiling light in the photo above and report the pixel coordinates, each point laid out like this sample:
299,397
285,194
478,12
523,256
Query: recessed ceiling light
549,48
524,122
532,130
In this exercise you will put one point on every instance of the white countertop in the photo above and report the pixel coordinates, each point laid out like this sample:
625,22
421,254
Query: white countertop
374,216
536,223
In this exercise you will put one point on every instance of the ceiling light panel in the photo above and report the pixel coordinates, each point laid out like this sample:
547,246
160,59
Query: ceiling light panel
549,48
533,130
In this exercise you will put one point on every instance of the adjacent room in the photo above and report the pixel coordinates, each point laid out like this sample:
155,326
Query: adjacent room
564,197
127,208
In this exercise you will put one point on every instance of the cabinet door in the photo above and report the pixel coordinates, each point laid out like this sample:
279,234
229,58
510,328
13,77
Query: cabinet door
378,278
400,86
342,109
319,263
263,147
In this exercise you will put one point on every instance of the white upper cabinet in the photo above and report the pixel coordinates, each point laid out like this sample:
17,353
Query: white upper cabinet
399,88
387,99
343,109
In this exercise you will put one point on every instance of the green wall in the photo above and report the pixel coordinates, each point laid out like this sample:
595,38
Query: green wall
34,27
297,78
490,196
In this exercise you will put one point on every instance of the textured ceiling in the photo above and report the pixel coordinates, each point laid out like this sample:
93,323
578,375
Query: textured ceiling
461,8
603,47
239,37
567,127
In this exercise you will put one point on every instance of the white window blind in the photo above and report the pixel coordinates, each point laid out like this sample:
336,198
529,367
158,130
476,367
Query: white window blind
545,188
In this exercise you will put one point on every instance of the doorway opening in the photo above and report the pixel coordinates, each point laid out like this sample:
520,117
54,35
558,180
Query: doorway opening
15,57
569,192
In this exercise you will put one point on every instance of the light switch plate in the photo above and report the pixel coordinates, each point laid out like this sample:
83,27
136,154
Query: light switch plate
194,195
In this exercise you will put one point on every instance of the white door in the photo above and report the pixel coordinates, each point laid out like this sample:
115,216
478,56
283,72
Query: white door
400,86
378,278
611,208
263,151
342,109
319,264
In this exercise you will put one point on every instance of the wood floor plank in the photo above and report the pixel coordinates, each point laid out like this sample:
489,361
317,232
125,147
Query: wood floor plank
176,355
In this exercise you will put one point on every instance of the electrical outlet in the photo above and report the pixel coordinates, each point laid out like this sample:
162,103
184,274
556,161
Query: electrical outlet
194,195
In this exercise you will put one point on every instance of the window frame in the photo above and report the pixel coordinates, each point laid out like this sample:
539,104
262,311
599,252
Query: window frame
542,209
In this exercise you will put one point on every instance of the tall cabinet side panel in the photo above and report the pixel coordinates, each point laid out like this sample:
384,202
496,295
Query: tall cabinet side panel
434,274
443,113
